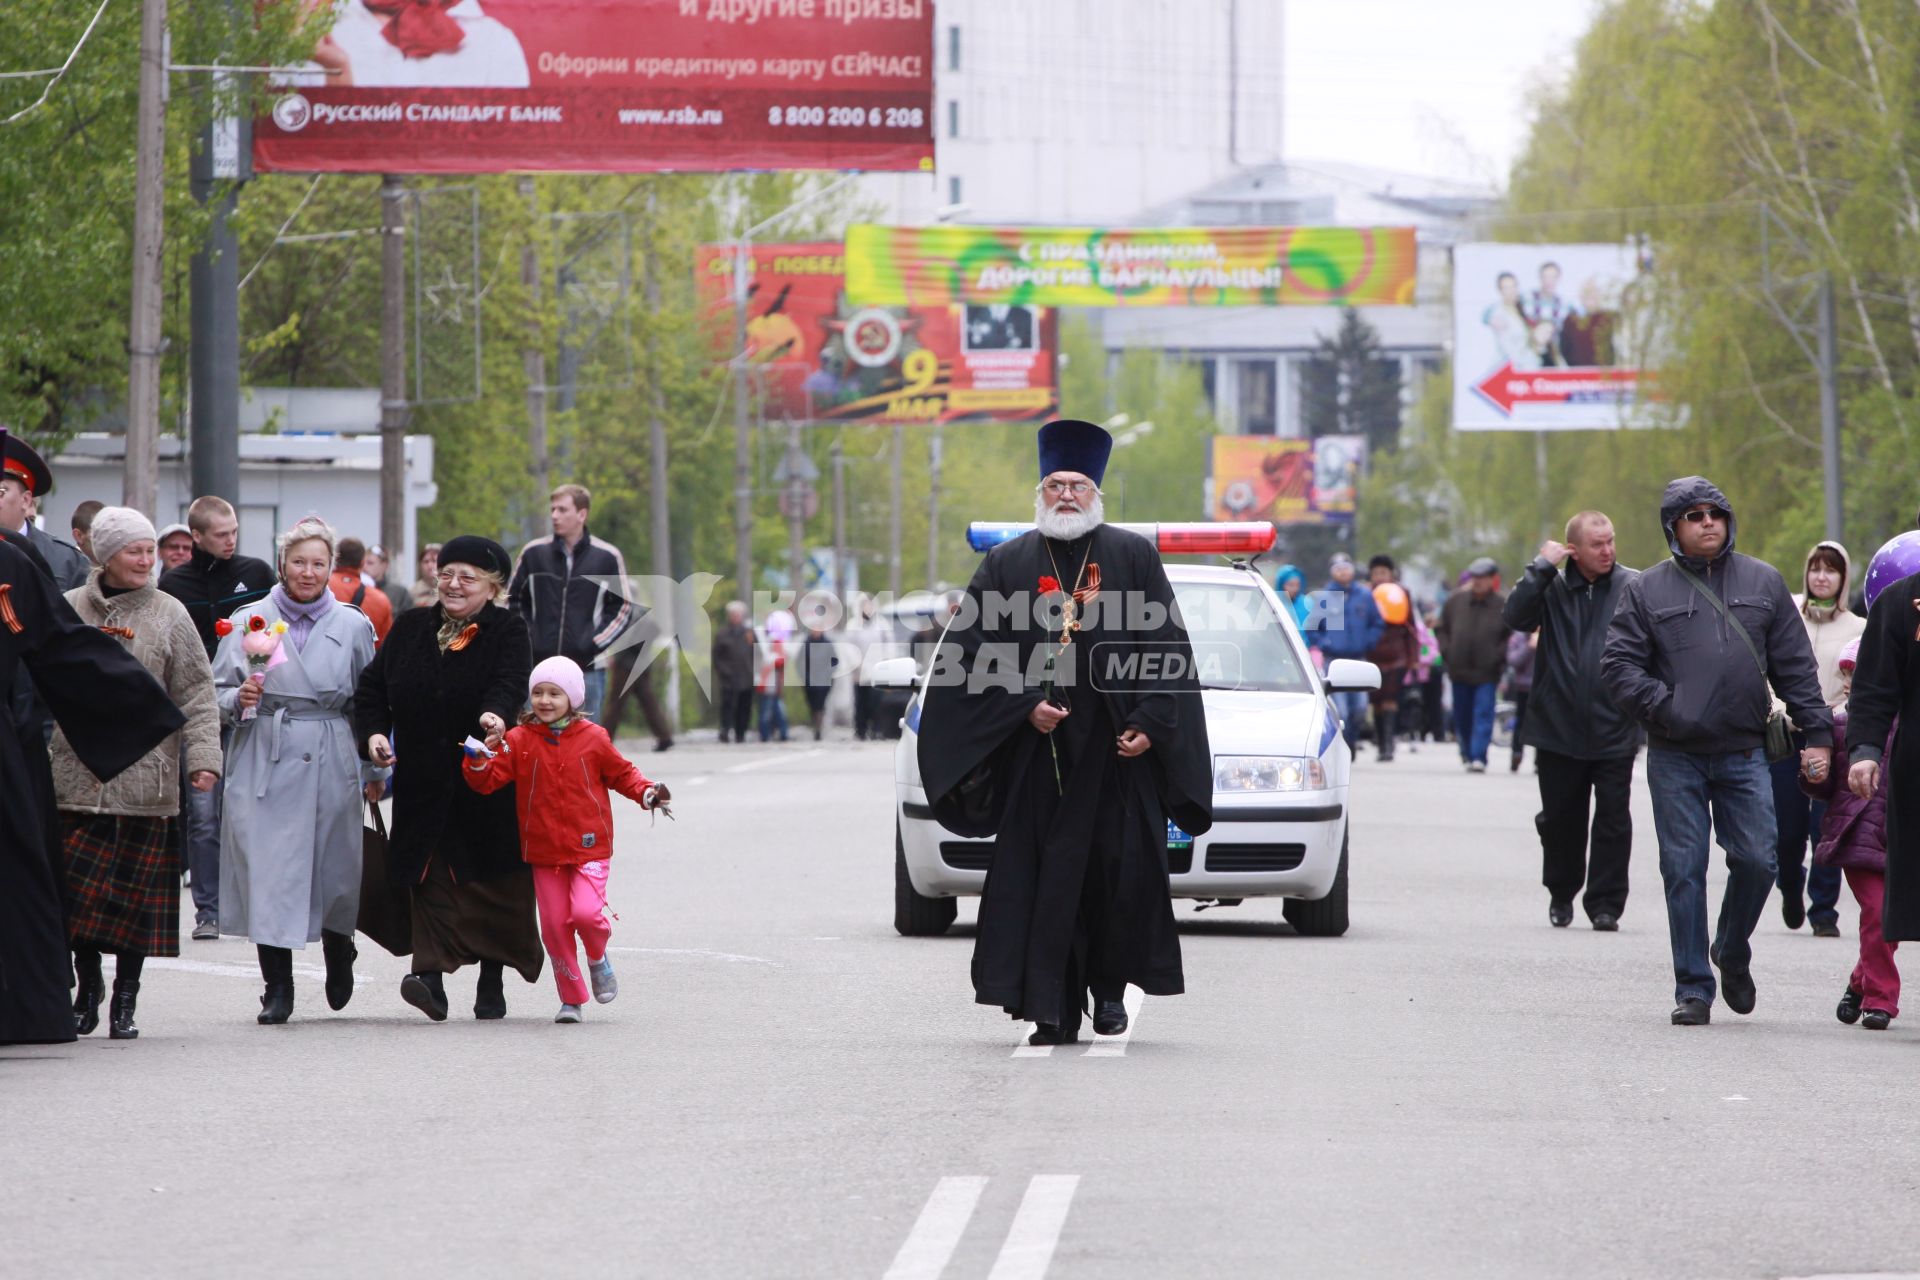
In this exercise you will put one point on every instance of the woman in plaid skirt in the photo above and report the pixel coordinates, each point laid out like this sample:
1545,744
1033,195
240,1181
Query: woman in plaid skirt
122,867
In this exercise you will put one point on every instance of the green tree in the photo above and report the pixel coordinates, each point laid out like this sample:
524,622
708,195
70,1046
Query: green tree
1350,387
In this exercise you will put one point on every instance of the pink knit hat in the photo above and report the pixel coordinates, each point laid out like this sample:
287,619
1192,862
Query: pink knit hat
1849,656
564,672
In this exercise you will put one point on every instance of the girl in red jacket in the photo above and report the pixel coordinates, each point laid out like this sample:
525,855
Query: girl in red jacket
561,767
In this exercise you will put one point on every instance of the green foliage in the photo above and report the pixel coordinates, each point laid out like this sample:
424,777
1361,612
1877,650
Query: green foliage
1752,143
1350,388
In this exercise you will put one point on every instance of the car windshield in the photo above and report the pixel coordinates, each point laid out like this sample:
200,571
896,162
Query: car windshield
1238,640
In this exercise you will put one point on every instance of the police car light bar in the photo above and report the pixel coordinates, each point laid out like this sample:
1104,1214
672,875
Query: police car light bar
1201,538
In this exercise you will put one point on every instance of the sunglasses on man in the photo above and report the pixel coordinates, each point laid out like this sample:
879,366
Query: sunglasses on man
1701,514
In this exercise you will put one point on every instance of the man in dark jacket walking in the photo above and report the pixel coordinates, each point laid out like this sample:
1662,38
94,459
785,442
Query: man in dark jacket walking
1583,744
1473,641
733,672
571,589
1678,660
215,583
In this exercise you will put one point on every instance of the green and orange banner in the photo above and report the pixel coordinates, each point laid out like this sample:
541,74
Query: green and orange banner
1133,267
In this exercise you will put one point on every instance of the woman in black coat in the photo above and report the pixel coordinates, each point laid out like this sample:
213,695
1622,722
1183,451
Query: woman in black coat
445,672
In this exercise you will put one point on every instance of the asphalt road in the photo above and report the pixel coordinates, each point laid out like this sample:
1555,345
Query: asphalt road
786,1088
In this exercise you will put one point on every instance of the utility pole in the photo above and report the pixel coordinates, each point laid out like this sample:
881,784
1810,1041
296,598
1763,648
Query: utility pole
1541,478
893,520
840,525
1829,406
533,360
662,527
933,508
393,361
742,432
213,354
798,496
141,486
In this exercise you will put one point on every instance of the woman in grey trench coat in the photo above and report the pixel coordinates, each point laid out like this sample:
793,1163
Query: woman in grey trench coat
290,841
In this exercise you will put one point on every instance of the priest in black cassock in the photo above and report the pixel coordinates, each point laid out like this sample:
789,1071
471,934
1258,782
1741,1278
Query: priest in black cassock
1039,731
113,713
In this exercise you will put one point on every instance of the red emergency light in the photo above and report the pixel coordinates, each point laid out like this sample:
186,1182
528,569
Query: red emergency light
1199,538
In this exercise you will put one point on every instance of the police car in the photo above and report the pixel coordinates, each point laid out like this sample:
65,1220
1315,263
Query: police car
1280,764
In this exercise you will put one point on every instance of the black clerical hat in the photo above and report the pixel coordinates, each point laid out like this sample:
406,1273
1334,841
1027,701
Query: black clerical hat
1073,445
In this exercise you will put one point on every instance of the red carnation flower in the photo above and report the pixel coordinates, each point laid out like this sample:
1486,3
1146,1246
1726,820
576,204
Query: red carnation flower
224,627
256,623
1049,583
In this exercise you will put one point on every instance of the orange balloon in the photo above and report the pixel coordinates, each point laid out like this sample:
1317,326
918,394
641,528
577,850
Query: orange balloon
1392,601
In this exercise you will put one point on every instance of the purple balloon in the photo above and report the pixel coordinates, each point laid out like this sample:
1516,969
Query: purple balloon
1898,558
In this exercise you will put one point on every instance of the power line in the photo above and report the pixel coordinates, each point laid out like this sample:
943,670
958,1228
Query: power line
58,73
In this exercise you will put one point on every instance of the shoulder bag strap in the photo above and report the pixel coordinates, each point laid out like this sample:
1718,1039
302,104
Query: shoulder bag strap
1726,613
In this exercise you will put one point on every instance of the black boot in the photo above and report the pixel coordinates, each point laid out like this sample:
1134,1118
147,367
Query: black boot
276,1003
120,1013
87,995
1383,718
490,996
427,993
340,953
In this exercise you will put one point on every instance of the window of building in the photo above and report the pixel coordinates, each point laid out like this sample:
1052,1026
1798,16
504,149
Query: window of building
953,48
1258,395
953,117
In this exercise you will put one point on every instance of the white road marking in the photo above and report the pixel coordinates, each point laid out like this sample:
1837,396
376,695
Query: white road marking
235,969
782,758
1734,1097
936,1232
1116,1046
692,951
697,779
1028,1250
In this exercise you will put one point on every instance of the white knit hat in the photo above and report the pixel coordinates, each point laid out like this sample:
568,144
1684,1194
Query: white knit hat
114,528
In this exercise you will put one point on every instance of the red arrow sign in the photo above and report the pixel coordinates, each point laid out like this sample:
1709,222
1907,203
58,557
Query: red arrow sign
1510,387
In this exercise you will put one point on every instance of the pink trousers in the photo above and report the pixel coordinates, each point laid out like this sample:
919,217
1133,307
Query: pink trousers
573,903
1875,977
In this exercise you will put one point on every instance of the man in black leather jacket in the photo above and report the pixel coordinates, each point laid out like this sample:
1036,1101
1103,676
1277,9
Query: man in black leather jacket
1584,745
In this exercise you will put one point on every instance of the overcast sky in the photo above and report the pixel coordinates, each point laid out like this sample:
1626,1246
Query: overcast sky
1436,87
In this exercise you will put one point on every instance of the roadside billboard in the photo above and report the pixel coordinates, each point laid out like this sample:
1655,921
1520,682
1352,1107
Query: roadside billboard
1550,337
1133,267
487,86
822,358
1287,481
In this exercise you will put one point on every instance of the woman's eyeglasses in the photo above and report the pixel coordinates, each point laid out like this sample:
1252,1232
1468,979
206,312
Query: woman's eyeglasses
1699,516
448,579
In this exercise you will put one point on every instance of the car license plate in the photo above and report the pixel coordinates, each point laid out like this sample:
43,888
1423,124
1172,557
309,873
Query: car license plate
1176,838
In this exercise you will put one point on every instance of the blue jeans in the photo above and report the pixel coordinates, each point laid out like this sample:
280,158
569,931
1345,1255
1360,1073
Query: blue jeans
596,692
1473,719
1736,790
1798,816
773,716
1352,707
200,833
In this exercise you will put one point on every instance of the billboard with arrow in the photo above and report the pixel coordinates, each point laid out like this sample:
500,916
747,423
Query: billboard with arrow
1551,337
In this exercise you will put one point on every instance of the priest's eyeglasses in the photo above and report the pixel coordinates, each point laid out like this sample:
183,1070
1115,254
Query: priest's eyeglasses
1078,488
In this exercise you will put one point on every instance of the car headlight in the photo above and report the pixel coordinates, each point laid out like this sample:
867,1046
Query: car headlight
1268,773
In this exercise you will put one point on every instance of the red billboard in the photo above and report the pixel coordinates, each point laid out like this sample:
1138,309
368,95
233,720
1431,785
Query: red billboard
820,359
487,86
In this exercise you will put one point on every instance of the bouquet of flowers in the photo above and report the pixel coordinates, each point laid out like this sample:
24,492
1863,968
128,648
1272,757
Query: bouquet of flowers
261,644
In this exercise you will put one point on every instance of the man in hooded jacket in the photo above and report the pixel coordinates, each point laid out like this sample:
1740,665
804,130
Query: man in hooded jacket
1677,659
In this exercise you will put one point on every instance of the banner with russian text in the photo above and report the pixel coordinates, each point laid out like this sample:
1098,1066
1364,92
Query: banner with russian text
1132,267
817,357
1550,337
489,86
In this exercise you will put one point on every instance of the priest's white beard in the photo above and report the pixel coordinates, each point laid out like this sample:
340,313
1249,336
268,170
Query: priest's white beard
1068,525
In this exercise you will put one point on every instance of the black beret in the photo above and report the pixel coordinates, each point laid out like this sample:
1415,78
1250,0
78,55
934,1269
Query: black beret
481,553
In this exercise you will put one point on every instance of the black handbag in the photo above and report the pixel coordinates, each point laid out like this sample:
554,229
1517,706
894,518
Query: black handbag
1779,729
386,912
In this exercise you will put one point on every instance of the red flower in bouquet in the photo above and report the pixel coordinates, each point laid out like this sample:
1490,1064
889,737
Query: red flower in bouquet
256,623
223,627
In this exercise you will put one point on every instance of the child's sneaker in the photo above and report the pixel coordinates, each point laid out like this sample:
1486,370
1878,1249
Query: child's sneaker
600,974
568,1013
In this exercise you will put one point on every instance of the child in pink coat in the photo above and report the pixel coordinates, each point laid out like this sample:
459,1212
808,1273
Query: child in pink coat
561,767
1853,837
